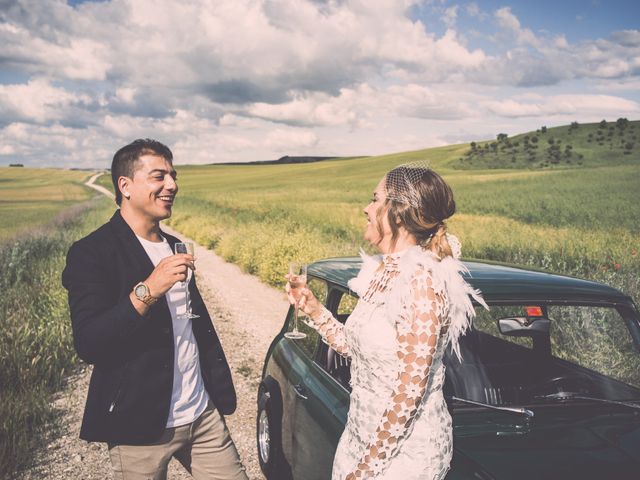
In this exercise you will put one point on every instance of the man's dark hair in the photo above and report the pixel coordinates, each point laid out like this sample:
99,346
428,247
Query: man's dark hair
125,161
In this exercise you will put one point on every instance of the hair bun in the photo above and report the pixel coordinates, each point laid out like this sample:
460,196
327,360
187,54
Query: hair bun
454,243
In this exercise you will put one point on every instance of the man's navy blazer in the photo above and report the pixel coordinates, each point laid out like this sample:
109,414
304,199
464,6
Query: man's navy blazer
132,356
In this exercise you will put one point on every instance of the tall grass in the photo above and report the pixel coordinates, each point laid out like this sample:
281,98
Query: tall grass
36,348
578,221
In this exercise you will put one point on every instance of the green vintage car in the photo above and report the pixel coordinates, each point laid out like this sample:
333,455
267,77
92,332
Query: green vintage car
549,385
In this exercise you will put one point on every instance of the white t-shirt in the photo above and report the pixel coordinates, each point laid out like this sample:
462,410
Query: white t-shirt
189,398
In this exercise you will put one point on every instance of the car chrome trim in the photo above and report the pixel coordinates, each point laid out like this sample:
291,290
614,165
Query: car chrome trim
300,391
563,396
518,410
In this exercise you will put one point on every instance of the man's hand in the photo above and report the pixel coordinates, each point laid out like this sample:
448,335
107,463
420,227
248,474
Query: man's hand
169,271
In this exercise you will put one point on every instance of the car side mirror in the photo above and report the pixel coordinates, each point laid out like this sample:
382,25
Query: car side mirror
524,326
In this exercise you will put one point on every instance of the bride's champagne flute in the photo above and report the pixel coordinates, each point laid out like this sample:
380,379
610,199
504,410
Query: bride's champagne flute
297,281
186,247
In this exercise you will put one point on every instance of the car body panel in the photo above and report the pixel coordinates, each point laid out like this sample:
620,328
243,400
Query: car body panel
561,442
564,440
494,280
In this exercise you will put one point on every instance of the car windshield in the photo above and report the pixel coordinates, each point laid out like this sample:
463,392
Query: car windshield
526,353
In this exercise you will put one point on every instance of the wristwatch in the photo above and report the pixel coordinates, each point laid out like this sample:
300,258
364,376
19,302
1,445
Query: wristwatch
141,291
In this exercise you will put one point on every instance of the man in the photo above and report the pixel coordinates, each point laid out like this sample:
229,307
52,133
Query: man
160,381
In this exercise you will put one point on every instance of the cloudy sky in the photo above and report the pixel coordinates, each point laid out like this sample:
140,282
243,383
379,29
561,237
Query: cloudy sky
242,80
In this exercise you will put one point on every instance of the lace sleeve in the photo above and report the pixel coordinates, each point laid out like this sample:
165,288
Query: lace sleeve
332,331
418,329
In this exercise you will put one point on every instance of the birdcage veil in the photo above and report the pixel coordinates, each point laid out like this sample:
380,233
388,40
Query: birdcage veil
402,182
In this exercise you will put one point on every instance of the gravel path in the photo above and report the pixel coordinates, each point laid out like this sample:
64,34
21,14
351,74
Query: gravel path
247,315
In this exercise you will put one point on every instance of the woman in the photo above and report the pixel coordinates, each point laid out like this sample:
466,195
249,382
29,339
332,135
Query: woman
413,303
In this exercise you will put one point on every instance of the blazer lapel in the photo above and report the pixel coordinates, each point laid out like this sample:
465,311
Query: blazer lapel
141,264
134,251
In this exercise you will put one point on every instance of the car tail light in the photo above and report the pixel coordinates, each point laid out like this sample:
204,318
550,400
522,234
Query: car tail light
534,311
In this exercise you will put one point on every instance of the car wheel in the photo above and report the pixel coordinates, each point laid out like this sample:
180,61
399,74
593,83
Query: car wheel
269,435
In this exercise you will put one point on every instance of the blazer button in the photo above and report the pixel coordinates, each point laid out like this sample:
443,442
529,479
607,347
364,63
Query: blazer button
166,330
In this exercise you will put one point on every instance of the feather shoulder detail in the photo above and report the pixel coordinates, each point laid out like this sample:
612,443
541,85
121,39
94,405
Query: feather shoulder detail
461,311
447,277
370,264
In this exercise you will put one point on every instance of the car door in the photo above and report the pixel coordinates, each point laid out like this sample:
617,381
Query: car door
321,405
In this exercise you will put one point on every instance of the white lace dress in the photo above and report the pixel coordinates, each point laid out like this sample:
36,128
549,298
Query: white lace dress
412,305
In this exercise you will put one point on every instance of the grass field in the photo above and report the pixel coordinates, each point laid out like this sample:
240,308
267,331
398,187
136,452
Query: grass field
31,197
43,212
577,220
36,348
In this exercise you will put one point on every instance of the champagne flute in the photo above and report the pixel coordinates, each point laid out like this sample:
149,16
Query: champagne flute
186,247
297,281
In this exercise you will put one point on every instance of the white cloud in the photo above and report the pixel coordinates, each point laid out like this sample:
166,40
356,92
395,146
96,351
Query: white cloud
291,141
622,85
310,110
56,145
577,106
243,80
450,16
38,101
507,20
473,10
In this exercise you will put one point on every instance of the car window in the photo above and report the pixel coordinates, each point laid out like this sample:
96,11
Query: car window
588,349
310,342
318,288
596,338
336,365
487,322
347,304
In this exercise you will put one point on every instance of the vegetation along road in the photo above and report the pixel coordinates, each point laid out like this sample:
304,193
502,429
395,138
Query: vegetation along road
563,199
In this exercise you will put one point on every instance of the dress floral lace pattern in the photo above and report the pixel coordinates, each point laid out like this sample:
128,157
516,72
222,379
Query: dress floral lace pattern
398,424
418,329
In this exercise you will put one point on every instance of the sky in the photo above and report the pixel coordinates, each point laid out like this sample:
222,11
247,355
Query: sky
245,80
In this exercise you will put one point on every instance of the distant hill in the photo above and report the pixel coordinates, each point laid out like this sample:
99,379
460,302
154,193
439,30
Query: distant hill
282,160
574,145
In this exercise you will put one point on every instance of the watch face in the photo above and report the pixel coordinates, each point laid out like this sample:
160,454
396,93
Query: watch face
140,291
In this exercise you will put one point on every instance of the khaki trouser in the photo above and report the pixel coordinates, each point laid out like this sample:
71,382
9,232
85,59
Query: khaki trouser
203,447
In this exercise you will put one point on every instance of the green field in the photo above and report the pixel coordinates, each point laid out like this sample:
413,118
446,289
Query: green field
580,220
42,211
36,348
31,197
577,219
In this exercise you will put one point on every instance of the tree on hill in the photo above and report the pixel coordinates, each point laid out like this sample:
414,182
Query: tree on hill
622,123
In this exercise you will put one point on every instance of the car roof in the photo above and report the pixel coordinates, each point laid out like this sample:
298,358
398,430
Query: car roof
496,281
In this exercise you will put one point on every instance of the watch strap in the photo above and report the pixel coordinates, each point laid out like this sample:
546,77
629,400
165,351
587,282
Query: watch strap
146,298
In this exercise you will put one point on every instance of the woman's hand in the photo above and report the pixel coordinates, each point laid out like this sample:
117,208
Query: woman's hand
307,302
